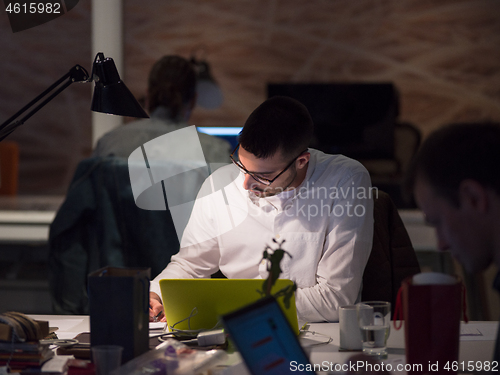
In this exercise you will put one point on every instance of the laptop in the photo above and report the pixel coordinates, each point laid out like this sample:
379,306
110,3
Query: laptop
265,340
197,304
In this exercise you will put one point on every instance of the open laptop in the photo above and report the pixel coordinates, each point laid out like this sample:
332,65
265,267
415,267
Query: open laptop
193,304
265,340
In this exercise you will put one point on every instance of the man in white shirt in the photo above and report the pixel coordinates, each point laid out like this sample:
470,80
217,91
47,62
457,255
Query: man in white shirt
320,204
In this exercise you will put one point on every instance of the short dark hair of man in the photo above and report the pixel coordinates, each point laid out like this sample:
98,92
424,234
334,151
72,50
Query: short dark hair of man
280,123
455,153
171,84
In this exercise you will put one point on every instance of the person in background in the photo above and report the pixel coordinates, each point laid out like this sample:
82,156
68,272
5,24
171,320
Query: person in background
171,98
280,189
456,182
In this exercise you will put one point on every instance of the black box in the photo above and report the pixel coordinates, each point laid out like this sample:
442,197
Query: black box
119,309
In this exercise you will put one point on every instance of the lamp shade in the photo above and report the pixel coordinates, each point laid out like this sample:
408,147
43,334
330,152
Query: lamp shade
110,93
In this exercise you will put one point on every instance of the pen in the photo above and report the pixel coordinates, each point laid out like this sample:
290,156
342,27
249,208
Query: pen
157,316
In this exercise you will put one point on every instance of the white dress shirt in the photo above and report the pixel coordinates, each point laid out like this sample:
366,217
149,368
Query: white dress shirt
326,222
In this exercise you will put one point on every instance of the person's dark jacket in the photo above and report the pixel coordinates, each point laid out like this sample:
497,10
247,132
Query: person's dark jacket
99,225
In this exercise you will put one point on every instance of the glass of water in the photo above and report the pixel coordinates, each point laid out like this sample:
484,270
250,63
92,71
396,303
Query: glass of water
374,320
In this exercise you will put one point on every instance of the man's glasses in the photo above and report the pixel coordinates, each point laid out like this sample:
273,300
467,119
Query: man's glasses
259,179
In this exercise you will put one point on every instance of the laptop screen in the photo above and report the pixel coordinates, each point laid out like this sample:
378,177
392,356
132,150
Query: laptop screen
265,339
199,303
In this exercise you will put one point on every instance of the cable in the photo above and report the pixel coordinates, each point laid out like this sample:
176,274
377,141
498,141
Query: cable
328,338
208,338
186,334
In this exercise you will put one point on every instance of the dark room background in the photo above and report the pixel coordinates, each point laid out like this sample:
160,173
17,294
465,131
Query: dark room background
443,56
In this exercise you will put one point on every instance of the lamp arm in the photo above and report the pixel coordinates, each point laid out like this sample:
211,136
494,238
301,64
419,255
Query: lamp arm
75,74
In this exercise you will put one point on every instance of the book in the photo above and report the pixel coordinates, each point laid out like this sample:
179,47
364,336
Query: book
24,355
5,332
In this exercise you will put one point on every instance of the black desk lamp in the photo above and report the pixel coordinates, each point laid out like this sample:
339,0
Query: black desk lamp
110,94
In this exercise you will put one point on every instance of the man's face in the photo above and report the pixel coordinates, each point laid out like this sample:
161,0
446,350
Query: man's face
458,229
267,168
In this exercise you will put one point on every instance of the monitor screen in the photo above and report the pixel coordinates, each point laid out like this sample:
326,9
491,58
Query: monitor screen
353,119
229,133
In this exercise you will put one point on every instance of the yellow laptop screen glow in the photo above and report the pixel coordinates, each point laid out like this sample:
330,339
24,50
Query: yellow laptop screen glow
206,300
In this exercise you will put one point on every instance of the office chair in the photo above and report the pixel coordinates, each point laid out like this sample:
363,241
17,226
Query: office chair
387,174
100,225
392,258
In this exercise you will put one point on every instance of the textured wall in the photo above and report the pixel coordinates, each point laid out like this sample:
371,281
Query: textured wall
57,137
443,56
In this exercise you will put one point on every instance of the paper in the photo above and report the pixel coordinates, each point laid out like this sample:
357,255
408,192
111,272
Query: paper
156,329
57,364
156,325
65,324
478,331
469,331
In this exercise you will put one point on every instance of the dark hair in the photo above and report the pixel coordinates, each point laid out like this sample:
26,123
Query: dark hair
457,152
171,84
279,123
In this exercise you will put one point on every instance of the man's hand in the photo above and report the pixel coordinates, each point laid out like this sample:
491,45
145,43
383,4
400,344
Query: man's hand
156,308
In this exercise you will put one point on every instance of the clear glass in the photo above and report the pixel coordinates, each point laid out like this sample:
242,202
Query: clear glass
374,318
106,358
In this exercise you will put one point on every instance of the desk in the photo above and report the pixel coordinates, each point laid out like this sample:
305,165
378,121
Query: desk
422,236
469,350
70,326
26,219
424,241
24,232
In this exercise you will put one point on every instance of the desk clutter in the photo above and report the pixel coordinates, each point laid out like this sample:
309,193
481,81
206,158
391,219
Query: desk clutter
21,345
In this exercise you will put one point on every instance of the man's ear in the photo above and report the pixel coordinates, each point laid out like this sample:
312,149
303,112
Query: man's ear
473,196
303,159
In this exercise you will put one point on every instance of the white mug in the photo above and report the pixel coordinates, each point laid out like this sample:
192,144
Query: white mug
350,335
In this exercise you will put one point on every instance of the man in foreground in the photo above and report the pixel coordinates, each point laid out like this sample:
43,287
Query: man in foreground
456,183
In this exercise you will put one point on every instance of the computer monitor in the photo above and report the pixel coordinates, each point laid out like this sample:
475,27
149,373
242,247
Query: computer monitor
229,133
353,119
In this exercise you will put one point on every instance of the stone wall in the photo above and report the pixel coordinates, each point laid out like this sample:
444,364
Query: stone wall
443,56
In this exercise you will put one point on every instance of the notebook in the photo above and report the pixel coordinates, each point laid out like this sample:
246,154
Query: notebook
265,340
206,300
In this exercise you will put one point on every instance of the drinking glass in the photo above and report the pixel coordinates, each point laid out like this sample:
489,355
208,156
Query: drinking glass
374,319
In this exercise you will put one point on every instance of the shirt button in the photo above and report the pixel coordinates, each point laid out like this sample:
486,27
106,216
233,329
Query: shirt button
277,235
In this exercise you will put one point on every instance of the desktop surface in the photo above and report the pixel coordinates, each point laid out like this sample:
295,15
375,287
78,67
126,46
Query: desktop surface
472,348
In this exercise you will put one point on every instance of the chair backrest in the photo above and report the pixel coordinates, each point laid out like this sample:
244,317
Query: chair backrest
407,139
392,258
9,167
100,225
